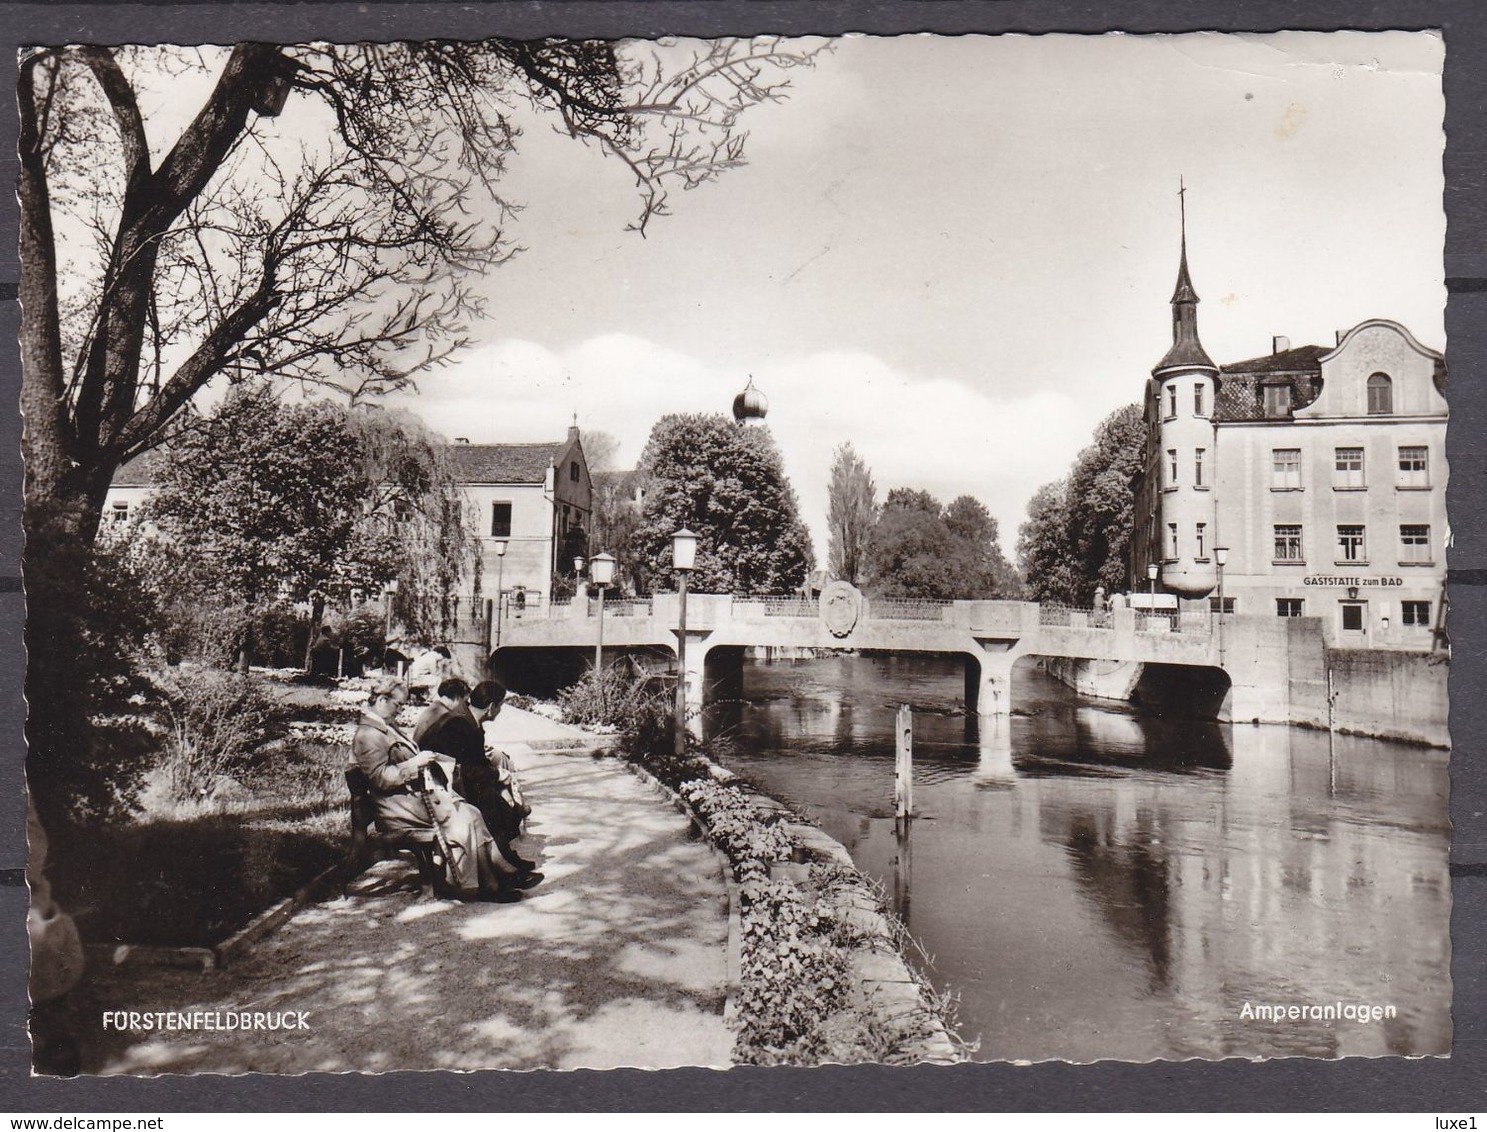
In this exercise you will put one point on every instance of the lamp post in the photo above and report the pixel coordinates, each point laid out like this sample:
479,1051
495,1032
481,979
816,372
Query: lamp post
601,573
500,597
1221,559
1151,582
578,576
683,560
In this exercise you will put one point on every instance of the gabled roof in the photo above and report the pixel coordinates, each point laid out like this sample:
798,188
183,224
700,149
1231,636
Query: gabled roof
142,471
504,463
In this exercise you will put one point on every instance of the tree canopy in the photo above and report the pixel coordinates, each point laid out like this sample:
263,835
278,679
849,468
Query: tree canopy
852,509
1078,529
266,501
921,550
727,483
318,218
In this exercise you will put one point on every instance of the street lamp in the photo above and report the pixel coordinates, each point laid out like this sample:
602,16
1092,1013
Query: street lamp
500,597
601,573
683,561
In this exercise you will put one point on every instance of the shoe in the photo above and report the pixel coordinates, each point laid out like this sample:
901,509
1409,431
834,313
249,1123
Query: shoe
503,896
523,864
527,880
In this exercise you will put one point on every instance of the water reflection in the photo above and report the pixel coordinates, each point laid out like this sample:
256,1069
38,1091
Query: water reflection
1094,883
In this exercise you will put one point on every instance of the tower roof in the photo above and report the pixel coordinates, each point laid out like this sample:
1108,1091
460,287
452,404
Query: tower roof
1187,352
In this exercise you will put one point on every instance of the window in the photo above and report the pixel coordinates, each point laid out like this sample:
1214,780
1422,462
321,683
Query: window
1171,401
1285,469
1350,545
1198,454
1415,613
1172,467
573,470
500,520
1288,542
119,513
1200,533
1198,398
1290,607
1213,605
1414,466
1414,542
1277,401
1348,468
1380,394
1352,616
1172,540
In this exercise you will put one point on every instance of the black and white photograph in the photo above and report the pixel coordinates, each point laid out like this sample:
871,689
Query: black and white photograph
559,554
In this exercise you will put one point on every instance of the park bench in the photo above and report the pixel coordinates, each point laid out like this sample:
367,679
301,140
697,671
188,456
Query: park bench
369,844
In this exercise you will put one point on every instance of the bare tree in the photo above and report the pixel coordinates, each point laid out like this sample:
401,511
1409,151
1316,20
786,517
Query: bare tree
319,219
852,510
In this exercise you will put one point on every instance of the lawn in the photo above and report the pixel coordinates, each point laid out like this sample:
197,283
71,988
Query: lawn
191,874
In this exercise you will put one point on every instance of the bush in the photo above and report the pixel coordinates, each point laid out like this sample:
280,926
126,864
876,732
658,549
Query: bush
637,706
215,722
280,635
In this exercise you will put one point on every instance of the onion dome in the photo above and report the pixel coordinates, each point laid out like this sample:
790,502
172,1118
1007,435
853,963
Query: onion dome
750,405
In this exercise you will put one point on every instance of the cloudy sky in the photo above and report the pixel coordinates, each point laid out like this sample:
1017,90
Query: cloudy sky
957,253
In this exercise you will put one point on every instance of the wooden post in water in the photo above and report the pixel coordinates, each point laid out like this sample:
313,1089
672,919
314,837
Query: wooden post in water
903,764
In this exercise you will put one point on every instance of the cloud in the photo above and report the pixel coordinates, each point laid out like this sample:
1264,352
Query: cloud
935,434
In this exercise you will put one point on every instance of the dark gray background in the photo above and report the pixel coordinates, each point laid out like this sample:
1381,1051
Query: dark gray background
1457,1084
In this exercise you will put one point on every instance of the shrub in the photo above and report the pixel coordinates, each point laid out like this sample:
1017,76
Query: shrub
280,635
215,721
639,707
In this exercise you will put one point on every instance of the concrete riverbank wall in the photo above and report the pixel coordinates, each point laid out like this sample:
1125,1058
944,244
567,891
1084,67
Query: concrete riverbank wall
1281,671
1391,695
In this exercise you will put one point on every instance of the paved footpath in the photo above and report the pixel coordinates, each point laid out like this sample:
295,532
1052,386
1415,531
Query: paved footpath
617,959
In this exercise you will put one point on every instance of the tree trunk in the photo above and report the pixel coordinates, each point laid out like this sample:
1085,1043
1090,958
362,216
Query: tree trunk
317,611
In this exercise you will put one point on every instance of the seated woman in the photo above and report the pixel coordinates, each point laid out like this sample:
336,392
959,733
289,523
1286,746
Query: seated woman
452,726
394,766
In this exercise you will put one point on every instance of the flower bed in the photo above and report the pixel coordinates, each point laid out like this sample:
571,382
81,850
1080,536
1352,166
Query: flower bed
815,941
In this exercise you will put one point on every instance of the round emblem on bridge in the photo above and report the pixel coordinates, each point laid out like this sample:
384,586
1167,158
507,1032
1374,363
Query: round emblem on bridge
841,606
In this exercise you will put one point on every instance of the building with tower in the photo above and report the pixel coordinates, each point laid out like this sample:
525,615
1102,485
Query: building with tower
1306,482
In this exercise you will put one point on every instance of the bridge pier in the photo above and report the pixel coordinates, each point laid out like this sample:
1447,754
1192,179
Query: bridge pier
694,680
989,682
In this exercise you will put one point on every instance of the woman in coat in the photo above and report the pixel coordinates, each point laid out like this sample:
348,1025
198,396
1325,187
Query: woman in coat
393,765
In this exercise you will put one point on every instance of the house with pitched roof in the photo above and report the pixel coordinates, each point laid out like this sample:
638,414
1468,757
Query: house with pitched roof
535,502
532,506
1306,482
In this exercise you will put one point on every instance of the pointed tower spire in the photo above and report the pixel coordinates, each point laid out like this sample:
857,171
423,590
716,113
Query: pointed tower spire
1187,352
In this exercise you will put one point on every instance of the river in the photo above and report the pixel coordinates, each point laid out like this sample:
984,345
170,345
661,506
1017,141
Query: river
1095,884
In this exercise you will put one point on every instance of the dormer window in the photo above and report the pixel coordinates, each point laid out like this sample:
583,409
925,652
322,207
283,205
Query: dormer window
1380,395
1277,401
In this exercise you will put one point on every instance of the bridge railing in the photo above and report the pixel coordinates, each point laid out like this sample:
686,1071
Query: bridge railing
1168,621
881,610
754,607
1061,616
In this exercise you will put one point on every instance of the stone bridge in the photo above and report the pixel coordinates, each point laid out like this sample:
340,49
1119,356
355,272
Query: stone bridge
1252,653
